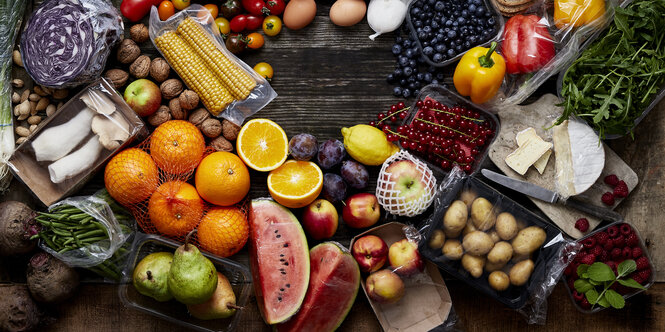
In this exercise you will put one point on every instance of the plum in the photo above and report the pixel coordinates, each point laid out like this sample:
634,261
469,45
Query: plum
303,147
334,188
355,174
331,153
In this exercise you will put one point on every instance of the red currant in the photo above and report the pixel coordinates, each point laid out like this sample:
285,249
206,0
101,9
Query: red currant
419,103
400,105
393,108
380,116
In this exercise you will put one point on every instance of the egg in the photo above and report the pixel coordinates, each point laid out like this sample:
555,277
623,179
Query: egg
346,13
299,13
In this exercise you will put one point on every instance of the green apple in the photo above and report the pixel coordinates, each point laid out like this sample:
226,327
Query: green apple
408,180
143,96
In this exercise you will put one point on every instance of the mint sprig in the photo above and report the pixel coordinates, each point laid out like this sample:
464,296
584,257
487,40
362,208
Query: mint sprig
600,274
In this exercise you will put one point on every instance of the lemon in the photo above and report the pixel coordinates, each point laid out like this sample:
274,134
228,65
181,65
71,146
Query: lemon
368,145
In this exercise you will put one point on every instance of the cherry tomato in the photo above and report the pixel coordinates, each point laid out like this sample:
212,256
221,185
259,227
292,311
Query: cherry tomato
230,8
254,22
276,7
212,9
236,43
238,23
264,69
255,7
223,25
165,10
181,4
255,40
272,25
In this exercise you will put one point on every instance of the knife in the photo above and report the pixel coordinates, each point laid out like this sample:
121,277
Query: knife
549,196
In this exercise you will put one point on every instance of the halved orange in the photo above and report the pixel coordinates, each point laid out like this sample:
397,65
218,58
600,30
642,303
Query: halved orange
262,145
296,183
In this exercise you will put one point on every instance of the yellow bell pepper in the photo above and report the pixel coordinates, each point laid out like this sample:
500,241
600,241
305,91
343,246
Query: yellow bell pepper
479,73
577,12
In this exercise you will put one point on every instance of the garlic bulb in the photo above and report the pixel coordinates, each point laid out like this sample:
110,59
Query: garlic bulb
386,15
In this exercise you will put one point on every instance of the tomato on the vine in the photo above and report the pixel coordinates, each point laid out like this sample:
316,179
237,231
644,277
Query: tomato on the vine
255,7
253,22
165,10
272,25
238,23
264,69
181,4
236,43
230,8
255,40
223,25
276,7
212,9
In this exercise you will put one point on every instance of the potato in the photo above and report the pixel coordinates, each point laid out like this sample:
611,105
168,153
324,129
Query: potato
477,243
469,228
519,258
482,215
520,272
506,226
494,236
499,280
491,267
528,240
455,218
501,253
437,239
473,264
467,196
453,250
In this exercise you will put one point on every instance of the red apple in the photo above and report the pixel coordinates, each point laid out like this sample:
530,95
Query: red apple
320,219
143,96
361,210
384,286
404,258
371,253
408,181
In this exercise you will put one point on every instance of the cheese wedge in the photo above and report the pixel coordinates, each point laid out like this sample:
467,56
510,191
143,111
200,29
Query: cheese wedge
521,137
532,149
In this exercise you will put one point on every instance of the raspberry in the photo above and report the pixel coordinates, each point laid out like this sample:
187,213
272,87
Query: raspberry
602,238
589,243
608,198
621,190
619,241
644,275
588,259
582,225
623,290
569,270
637,252
613,231
632,240
612,265
637,277
627,253
597,250
611,180
604,256
578,296
571,283
608,246
616,253
585,304
625,229
642,263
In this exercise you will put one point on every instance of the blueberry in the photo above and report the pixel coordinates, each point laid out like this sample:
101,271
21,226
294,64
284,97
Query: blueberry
465,13
398,39
439,35
416,92
472,40
427,77
472,8
420,76
390,79
431,2
398,72
480,11
461,20
467,45
434,41
403,82
427,29
413,86
397,91
440,76
409,53
413,63
440,48
424,44
458,48
403,61
449,23
455,24
452,44
406,43
452,34
491,21
408,71
434,25
478,2
406,93
415,11
397,49
439,6
417,24
428,50
451,53
411,79
434,81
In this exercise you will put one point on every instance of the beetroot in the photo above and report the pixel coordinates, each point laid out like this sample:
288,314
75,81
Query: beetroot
18,312
50,280
17,225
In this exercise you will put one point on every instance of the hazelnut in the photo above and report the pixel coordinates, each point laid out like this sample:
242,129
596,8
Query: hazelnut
176,111
159,69
197,117
128,51
188,100
221,144
230,130
139,33
171,88
162,115
118,77
140,68
211,128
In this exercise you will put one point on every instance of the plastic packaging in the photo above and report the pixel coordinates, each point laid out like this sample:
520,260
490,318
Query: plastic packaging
174,311
385,16
66,42
193,32
495,245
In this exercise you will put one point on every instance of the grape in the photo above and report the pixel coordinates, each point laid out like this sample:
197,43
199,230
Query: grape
355,174
303,147
334,188
331,153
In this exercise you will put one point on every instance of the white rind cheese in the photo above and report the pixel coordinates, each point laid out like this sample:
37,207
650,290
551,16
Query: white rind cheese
522,136
529,152
580,157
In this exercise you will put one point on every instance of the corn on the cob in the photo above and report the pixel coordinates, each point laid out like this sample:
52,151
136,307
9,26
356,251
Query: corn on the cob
193,71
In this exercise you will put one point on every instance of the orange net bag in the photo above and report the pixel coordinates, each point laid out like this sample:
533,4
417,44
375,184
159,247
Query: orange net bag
158,181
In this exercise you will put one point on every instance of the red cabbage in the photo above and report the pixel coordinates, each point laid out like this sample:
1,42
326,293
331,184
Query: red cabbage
66,42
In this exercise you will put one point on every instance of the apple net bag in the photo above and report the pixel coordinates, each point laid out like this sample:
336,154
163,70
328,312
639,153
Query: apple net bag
193,46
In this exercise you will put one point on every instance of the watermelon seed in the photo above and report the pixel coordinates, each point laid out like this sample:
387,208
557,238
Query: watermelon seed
281,289
283,272
282,260
288,285
278,236
276,231
286,245
286,263
281,255
279,298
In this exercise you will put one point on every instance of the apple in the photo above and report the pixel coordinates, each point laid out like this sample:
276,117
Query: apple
384,286
408,181
361,210
320,219
404,258
143,96
371,253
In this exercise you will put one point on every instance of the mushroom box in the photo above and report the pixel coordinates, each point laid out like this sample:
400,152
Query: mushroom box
68,148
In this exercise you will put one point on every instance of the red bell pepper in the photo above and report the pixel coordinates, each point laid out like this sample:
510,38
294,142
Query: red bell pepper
135,10
527,44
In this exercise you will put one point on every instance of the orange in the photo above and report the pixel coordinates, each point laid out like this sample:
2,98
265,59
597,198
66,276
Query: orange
131,176
222,179
262,145
296,183
177,146
223,231
175,208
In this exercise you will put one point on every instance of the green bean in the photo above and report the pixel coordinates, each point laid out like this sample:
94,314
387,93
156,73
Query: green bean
68,241
59,232
70,210
47,240
77,240
78,216
94,239
57,216
90,233
65,249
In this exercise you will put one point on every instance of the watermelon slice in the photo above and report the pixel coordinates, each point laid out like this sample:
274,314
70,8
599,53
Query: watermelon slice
333,286
279,259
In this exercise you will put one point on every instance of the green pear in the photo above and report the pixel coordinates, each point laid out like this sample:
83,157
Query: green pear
222,304
192,277
151,274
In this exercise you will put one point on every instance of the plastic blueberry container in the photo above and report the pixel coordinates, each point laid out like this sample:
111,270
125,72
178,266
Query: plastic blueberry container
451,99
543,258
498,26
174,311
627,296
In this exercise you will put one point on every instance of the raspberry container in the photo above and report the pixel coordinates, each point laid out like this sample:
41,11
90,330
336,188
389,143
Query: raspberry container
645,253
172,310
451,99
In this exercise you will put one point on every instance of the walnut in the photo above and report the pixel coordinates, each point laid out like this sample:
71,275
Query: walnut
197,117
171,88
211,128
188,100
176,111
128,51
221,144
140,68
230,130
118,77
139,33
159,69
162,115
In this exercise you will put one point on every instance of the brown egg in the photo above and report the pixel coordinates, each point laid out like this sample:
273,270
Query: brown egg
299,13
346,13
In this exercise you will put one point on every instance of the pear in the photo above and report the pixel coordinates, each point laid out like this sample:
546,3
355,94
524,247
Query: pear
222,304
151,274
192,278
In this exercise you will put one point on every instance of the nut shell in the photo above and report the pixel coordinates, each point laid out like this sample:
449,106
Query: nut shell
230,130
139,33
211,128
188,100
159,69
176,111
171,88
162,115
128,51
118,77
199,116
140,68
221,144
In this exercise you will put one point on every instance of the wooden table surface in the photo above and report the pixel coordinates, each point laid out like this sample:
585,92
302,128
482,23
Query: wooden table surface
328,77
